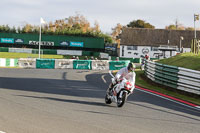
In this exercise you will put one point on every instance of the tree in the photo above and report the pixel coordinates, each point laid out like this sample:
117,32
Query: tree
96,27
140,24
76,25
171,27
5,28
116,32
27,28
19,30
175,27
13,30
189,28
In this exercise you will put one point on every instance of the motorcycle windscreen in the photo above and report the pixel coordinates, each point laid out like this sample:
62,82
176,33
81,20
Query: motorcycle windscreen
131,78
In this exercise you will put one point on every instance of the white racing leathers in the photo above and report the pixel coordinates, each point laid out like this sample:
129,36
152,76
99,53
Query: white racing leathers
125,75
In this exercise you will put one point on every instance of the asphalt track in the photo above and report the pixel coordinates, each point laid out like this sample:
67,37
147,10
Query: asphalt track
72,101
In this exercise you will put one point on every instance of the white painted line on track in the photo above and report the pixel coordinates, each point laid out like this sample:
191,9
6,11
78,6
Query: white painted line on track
2,132
196,107
103,78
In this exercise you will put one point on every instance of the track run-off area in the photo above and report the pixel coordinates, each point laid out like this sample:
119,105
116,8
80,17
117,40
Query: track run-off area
72,101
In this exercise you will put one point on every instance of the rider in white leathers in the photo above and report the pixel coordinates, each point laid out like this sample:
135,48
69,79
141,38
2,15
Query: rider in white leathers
127,73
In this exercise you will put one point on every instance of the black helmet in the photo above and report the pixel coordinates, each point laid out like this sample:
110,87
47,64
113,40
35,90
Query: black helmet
131,67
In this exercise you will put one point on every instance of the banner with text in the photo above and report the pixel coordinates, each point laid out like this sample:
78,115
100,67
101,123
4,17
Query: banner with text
20,50
100,65
116,65
45,43
69,52
82,64
45,63
7,40
63,63
104,55
8,62
76,44
27,63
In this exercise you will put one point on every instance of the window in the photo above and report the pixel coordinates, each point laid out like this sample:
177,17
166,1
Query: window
129,52
131,47
154,48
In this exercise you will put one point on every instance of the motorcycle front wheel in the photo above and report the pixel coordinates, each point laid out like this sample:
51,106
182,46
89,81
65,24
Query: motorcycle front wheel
121,101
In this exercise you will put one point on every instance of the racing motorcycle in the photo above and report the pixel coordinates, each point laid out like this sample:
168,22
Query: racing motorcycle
121,97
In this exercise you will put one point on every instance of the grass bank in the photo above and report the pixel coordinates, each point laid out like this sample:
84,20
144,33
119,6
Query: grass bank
28,55
142,81
186,60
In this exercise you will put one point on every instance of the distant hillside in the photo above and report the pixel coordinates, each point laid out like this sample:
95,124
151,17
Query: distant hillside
186,60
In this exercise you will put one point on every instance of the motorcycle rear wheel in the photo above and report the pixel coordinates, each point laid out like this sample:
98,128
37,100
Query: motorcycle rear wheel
107,100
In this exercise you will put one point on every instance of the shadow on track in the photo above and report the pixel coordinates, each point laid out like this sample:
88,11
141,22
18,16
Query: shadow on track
94,87
67,100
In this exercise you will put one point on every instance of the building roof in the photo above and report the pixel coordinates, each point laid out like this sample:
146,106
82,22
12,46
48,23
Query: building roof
156,37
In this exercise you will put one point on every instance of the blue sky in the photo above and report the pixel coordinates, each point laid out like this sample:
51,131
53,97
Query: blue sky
107,13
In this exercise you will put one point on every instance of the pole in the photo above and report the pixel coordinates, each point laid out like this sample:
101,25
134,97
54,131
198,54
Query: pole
40,38
180,46
195,36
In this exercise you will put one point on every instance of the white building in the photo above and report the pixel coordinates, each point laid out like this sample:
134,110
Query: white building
157,43
163,51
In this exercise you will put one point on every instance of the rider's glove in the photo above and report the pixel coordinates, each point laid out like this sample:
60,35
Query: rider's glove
118,80
113,81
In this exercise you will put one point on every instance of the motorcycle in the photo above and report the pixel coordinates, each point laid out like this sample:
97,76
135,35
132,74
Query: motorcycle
121,97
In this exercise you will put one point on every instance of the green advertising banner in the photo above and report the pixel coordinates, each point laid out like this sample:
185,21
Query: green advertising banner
116,65
45,63
82,64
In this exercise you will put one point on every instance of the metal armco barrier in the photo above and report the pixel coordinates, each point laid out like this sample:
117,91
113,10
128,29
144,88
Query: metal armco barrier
176,77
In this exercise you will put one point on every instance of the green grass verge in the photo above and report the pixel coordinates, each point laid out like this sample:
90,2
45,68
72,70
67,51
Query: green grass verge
142,81
27,55
186,60
47,56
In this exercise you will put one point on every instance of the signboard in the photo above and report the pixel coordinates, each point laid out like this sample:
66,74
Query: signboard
76,44
27,63
42,43
116,65
82,64
7,40
100,65
45,63
63,43
19,41
110,48
64,63
145,51
104,55
69,52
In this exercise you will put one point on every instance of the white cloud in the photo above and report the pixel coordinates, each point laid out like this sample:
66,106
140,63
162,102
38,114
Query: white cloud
108,13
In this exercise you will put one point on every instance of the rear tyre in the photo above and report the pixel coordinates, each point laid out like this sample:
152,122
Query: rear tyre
107,99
